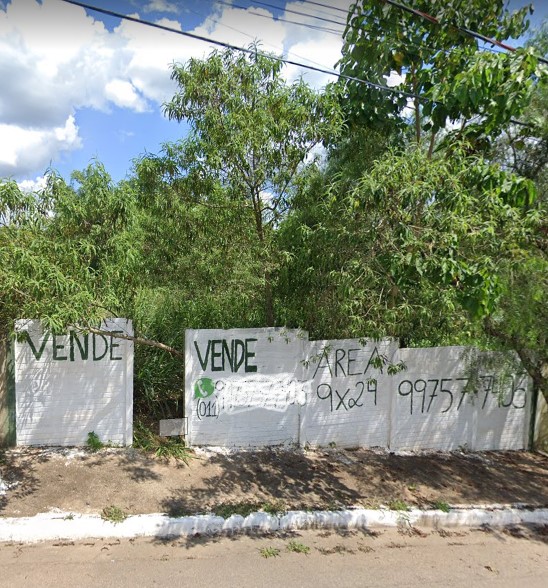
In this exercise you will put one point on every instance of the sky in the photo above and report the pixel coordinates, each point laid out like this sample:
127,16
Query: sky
76,85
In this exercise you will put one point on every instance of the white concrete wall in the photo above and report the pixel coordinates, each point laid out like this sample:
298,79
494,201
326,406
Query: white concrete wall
348,399
438,404
243,386
541,424
69,385
323,392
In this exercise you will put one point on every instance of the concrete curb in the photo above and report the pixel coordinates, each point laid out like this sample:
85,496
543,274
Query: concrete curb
69,526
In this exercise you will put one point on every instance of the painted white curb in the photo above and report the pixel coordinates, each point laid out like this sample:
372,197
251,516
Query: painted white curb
68,526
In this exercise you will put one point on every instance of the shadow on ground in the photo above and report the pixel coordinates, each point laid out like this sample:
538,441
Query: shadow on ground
18,477
80,481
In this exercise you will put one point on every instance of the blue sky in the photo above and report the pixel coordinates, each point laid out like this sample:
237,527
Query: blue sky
78,85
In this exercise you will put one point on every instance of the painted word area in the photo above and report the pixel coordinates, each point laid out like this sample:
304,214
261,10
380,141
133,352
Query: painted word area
226,396
227,355
90,346
346,363
447,394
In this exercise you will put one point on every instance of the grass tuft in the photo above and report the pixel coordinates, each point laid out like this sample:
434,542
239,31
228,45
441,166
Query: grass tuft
267,552
398,504
114,514
297,547
441,505
93,442
162,447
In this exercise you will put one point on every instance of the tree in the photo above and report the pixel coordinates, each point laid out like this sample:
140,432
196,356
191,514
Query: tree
520,320
524,147
431,250
444,76
250,134
66,251
436,246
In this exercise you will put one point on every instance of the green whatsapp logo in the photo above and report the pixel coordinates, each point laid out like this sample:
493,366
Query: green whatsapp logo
204,387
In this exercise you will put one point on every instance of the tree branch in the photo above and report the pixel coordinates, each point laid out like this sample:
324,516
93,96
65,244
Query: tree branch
125,336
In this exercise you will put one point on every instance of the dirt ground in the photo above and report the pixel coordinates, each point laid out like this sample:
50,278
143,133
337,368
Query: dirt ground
77,480
414,558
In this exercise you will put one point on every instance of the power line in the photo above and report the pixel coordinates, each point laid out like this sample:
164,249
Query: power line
434,20
465,30
254,52
291,11
252,37
324,6
244,50
301,24
335,22
319,28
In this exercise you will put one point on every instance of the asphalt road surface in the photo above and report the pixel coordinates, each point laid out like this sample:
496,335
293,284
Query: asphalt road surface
407,557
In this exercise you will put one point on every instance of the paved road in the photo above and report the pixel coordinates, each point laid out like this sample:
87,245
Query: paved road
415,558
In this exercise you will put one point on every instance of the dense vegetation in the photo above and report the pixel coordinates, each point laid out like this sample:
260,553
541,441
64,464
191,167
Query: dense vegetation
349,212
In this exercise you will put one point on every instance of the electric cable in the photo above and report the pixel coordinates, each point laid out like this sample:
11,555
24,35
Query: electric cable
244,50
203,38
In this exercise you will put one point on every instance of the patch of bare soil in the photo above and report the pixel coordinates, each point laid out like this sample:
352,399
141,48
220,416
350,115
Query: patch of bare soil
74,480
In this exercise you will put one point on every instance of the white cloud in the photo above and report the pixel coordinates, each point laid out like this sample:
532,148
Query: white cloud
39,183
124,95
161,6
24,150
172,24
55,60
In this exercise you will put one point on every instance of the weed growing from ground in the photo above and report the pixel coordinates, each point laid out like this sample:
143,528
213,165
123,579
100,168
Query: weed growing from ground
162,447
398,504
274,508
441,505
297,547
114,514
267,552
94,443
236,508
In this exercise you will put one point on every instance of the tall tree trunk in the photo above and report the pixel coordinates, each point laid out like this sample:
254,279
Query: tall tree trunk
269,303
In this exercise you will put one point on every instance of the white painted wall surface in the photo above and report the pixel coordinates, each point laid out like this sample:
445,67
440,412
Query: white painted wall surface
243,386
349,399
323,392
436,405
65,389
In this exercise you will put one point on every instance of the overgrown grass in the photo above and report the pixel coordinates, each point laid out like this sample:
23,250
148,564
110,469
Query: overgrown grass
162,447
114,514
246,508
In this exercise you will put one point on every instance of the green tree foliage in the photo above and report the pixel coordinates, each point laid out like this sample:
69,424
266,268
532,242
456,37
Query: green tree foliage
455,80
524,147
431,250
65,252
413,241
250,134
521,316
232,227
434,246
